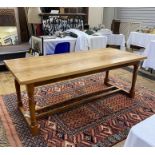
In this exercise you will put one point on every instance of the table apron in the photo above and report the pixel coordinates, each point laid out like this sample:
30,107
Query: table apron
83,74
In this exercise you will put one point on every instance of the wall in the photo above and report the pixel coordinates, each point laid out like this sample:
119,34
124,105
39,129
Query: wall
95,16
108,16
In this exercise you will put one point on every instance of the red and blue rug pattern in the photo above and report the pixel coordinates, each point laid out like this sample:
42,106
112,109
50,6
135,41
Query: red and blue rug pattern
103,122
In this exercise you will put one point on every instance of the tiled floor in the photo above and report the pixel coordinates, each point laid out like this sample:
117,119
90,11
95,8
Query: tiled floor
7,84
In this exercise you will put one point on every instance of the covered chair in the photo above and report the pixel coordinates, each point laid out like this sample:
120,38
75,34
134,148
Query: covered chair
149,52
63,47
97,42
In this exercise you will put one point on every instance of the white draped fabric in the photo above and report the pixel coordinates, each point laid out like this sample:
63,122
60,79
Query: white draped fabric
140,39
112,39
96,42
50,44
104,32
85,42
82,40
149,52
95,16
117,39
142,134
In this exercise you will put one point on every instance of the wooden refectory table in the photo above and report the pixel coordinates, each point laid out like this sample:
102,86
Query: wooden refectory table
37,71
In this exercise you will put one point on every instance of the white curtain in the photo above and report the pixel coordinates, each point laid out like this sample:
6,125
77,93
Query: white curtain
95,16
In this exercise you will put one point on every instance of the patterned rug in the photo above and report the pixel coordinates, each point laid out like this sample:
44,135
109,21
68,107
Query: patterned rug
103,122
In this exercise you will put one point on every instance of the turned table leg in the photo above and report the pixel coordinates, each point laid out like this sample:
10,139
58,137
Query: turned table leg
33,121
106,79
134,78
18,92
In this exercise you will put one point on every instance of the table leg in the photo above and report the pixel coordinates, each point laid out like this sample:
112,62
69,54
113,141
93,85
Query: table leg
18,91
106,79
33,123
134,78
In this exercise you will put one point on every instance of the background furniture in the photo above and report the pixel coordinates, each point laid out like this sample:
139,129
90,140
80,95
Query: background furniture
50,44
37,47
113,39
77,10
115,26
45,45
63,47
63,10
116,40
142,134
127,27
83,42
61,22
86,42
48,9
140,39
97,42
149,52
7,17
11,55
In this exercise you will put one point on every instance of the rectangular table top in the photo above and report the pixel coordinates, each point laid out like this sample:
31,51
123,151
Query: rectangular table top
42,68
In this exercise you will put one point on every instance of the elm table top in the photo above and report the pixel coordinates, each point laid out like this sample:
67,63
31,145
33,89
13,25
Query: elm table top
42,68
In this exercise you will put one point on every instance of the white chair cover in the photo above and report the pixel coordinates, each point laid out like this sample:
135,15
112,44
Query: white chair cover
117,39
112,39
97,42
150,54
